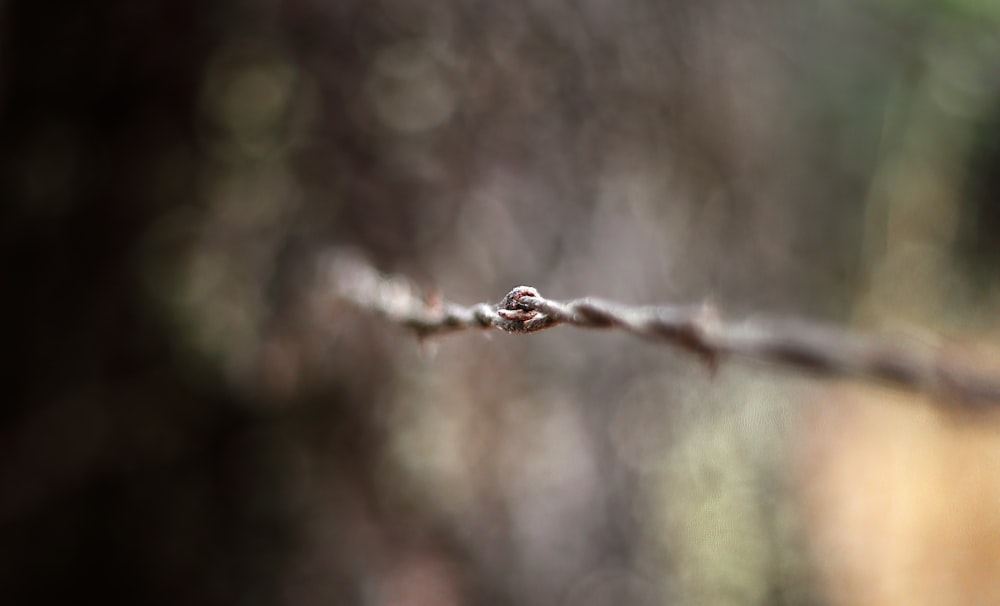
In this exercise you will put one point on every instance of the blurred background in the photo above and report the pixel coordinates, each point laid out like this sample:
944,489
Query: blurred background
189,417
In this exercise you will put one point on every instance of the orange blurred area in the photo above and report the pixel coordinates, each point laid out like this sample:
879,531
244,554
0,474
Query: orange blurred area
900,499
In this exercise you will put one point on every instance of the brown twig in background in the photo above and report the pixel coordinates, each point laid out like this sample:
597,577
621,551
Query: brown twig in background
824,351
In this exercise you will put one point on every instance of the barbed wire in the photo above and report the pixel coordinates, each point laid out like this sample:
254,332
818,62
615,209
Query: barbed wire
698,329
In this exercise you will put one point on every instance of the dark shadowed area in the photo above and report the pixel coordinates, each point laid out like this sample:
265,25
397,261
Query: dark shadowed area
190,416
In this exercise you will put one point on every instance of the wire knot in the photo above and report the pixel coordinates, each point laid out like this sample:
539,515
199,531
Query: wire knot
517,315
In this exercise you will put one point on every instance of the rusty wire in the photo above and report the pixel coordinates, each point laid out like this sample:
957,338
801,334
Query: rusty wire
698,329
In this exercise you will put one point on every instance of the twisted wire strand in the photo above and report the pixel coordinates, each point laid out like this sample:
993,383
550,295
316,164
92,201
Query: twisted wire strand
698,329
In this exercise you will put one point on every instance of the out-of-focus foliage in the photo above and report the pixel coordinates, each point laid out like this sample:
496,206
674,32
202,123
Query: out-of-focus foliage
192,419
